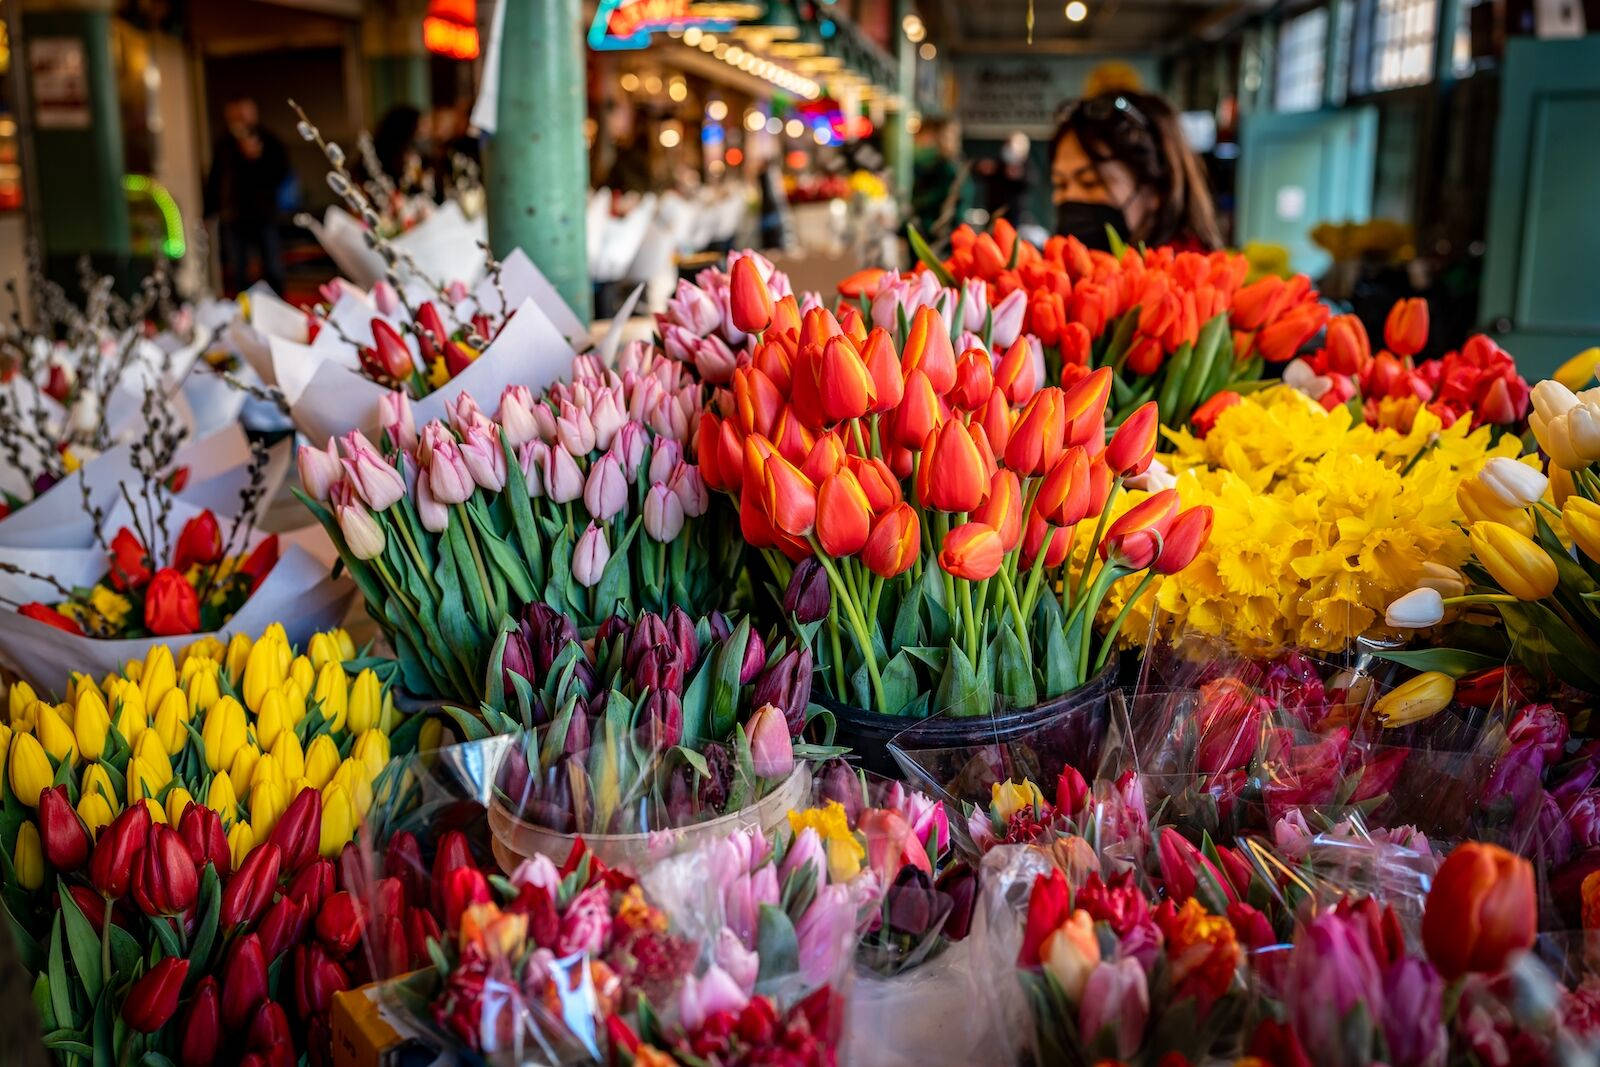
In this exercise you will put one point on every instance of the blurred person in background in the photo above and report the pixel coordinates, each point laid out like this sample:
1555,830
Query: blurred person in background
249,170
401,142
1008,179
1119,160
940,191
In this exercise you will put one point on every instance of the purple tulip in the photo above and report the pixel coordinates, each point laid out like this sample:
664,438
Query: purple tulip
548,633
1413,1015
1115,996
1515,777
1583,819
840,783
805,851
693,309
807,597
681,635
786,685
960,885
518,659
755,659
1330,972
1552,835
1541,726
663,716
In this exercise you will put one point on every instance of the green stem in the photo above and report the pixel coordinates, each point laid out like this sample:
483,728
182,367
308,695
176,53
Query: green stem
477,561
838,657
1094,545
105,943
969,621
1110,639
415,552
863,632
1088,608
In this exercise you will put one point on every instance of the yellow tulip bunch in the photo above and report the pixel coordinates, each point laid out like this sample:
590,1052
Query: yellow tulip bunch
241,728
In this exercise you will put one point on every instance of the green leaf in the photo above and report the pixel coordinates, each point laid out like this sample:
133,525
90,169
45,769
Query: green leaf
83,942
907,617
900,685
778,948
60,991
959,689
28,947
1200,369
125,953
920,249
1455,662
724,703
209,909
1548,647
43,1003
616,582
696,702
66,1041
1013,670
170,946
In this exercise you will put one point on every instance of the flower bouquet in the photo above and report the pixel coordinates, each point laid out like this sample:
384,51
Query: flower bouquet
1175,327
166,841
482,522
697,328
936,500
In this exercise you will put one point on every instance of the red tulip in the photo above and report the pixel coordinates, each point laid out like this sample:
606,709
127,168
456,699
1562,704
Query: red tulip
749,299
1481,910
788,497
1041,536
1039,435
421,927
1015,374
1133,445
1083,409
1184,540
64,837
1347,346
244,981
200,541
299,829
1072,791
116,852
313,884
464,887
130,562
166,882
340,922
1405,331
917,414
270,1036
202,1027
402,859
1076,345
1279,341
1128,535
1002,509
170,605
1063,496
845,388
1205,416
928,349
154,997
250,888
282,926
316,979
972,551
892,545
259,563
50,617
92,904
844,514
953,475
883,364
1049,905
974,379
202,833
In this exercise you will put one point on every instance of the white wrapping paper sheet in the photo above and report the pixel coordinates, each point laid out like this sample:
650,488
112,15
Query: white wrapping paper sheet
332,400
444,246
270,316
520,280
344,239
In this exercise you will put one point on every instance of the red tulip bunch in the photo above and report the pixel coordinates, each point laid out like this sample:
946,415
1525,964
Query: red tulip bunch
199,588
1174,326
953,483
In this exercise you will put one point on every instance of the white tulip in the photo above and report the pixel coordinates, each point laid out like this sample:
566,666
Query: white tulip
1155,478
1583,431
1446,581
1297,374
1514,484
1417,609
1551,398
1555,437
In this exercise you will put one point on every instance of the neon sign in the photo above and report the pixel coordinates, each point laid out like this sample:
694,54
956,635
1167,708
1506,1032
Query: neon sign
450,28
623,24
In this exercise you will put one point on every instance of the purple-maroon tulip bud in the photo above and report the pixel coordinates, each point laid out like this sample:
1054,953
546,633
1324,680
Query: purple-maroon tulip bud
298,830
786,685
1331,972
64,838
1412,1014
681,635
659,669
839,782
721,628
282,926
1552,834
154,997
201,1042
244,982
516,660
807,597
771,747
649,632
960,885
1515,778
116,852
202,833
663,716
578,734
250,888
270,1036
166,882
755,659
1539,725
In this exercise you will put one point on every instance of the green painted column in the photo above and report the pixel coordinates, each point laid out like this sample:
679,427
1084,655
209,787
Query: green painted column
537,167
397,79
78,153
897,141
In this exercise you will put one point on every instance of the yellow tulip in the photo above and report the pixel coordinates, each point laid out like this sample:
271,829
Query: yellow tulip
241,839
221,798
132,671
372,749
1518,565
431,736
205,649
66,713
1007,798
359,790
1561,485
294,700
18,700
1479,504
77,682
302,671
158,814
159,675
223,733
271,719
55,735
243,768
29,769
5,743
268,798
237,655
203,690
90,724
322,760
1581,518
260,673
332,695
300,785
25,720
171,726
279,637
366,702
1578,371
29,857
96,780
347,647
338,821
291,759
1418,698
95,811
322,650
151,751
178,799
267,770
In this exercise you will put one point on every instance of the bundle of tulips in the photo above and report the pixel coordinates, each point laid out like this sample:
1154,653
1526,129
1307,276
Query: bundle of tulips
1479,382
170,848
413,348
1175,327
939,496
697,329
454,529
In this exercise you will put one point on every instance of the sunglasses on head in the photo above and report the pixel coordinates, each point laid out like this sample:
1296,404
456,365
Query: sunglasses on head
1106,108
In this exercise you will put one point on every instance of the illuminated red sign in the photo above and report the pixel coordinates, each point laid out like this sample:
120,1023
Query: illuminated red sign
450,28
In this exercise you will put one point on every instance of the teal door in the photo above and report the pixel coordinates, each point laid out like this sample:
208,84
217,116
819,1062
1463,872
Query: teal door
1296,170
1540,297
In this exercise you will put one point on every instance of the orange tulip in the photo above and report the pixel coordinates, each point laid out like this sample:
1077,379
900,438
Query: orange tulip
1205,416
995,418
974,379
1039,536
749,299
1348,349
791,438
1091,304
708,437
987,259
1063,496
755,451
876,480
754,525
817,326
1184,540
826,456
1159,309
1038,437
805,394
788,496
1279,341
1259,302
1002,510
953,476
1047,316
1405,331
1144,355
844,515
972,551
1015,374
844,386
892,546
1133,445
928,349
862,283
851,322
889,385
1135,535
774,361
1076,345
917,413
1481,910
756,399
1083,407
786,318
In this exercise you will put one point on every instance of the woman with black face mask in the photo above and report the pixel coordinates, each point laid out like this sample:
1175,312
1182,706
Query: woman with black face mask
1119,160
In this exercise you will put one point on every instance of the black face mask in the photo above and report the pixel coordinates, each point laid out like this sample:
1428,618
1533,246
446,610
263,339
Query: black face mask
1087,222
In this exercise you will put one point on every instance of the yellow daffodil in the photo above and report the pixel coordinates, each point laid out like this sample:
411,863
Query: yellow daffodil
29,857
28,769
831,824
111,606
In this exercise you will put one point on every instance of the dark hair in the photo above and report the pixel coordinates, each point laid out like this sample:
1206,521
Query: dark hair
1141,132
394,137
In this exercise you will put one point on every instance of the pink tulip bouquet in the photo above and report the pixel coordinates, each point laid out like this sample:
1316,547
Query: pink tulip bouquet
585,498
697,328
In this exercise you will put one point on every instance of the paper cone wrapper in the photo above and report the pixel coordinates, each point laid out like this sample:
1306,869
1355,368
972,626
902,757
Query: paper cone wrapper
344,239
270,316
520,280
444,247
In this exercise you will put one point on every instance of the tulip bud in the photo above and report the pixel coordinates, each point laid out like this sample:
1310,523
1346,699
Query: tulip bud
28,857
316,979
96,812
90,724
1416,610
322,759
319,469
55,734
771,750
1418,698
28,769
1481,910
244,982
360,530
1518,564
1513,483
366,702
154,997
750,305
203,835
339,820
201,1042
590,556
807,596
297,832
166,882
111,865
66,840
250,889
663,513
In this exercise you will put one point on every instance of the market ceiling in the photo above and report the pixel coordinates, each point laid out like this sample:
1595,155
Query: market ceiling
1107,26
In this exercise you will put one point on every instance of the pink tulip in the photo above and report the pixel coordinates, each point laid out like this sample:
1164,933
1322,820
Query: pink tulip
663,513
691,308
534,457
1007,323
629,445
375,481
448,478
741,964
605,493
575,429
634,356
538,873
687,482
668,419
1117,996
608,416
516,415
456,291
360,530
928,821
665,456
891,844
545,419
712,993
826,933
771,749
386,300
975,312
805,851
332,292
679,342
319,469
590,556
562,478
465,413
714,360
434,515
396,420
485,459
743,897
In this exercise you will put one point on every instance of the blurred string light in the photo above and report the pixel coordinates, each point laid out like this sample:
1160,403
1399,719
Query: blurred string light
717,110
1077,11
678,90
652,84
754,119
927,51
794,127
670,137
734,156
914,29
630,82
774,125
